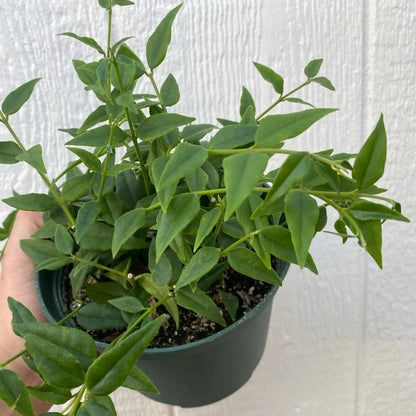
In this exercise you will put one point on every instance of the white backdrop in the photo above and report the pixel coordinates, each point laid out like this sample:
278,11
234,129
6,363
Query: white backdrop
342,343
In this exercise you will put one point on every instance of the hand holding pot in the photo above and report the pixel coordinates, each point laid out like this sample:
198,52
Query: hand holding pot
16,281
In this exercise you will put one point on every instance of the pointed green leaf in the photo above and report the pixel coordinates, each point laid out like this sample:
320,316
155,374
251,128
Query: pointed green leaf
186,158
94,316
196,132
313,67
159,41
97,116
302,213
367,211
125,226
270,76
129,304
15,100
201,263
97,405
233,136
8,152
325,82
33,157
160,124
97,237
170,91
89,159
86,40
246,262
372,234
13,392
293,169
200,303
138,381
76,186
86,215
299,101
369,164
20,314
50,394
54,263
98,137
206,224
166,194
278,241
31,202
242,173
197,180
181,211
40,250
276,128
126,71
230,302
111,369
63,240
246,101
56,365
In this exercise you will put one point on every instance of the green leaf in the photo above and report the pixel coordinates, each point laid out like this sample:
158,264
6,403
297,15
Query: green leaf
54,263
125,226
369,163
158,125
196,132
200,303
98,137
111,369
372,234
246,262
138,381
197,180
167,270
105,4
186,158
63,240
8,153
313,67
121,2
97,237
86,40
293,169
299,101
201,263
86,215
97,116
76,186
276,128
40,250
33,157
15,100
180,212
31,202
302,214
246,101
72,340
129,304
97,405
50,394
270,76
242,173
206,224
20,315
233,136
13,392
127,72
325,82
100,316
57,366
120,168
170,91
230,302
128,189
166,194
158,43
89,159
367,211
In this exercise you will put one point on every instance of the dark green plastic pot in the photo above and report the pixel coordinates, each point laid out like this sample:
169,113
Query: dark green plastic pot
194,374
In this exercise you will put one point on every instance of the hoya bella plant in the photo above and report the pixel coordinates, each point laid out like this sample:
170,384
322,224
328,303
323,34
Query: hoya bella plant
155,207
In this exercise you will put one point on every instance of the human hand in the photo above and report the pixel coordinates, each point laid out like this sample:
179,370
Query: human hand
17,282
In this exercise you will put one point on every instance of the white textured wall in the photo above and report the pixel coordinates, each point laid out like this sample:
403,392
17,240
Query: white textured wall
340,344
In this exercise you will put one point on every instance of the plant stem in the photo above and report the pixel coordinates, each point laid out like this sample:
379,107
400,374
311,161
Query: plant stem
110,15
282,98
76,401
155,87
99,266
15,357
140,158
149,310
41,174
225,252
105,167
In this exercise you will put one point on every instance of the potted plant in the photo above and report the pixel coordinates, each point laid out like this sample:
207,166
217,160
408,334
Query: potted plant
171,234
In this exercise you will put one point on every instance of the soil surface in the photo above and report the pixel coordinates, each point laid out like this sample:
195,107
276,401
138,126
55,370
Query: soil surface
192,327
